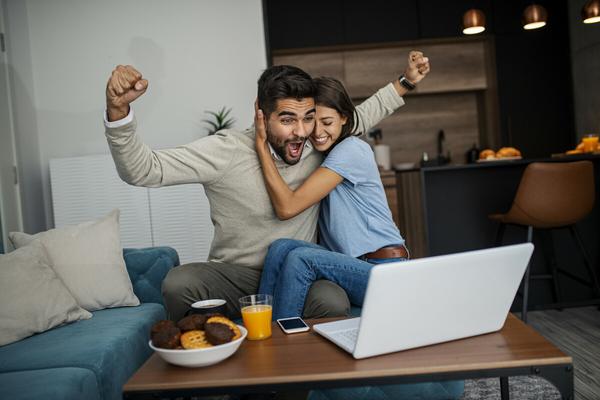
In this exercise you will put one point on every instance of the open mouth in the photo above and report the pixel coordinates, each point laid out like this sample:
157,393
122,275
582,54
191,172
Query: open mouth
295,149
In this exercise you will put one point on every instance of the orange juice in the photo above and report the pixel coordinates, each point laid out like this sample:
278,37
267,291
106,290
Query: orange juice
257,319
590,143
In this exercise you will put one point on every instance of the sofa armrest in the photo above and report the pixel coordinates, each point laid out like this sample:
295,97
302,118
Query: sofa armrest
147,268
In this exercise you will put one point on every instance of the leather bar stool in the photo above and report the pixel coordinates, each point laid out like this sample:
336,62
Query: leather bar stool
552,196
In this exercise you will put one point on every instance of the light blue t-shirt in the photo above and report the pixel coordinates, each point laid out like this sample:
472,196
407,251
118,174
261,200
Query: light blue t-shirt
355,217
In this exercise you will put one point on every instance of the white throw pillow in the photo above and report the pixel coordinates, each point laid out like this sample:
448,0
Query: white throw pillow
89,260
32,296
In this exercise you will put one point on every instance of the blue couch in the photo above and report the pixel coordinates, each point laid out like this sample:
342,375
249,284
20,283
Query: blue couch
91,359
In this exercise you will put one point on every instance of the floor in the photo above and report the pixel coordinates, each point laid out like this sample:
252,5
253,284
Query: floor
576,331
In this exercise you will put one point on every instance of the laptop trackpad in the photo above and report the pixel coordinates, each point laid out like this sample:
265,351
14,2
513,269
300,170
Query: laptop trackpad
343,333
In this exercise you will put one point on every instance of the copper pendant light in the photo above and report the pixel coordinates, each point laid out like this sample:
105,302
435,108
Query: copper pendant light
590,13
534,17
473,21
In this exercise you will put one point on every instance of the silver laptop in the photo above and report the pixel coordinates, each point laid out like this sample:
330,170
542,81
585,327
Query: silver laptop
432,300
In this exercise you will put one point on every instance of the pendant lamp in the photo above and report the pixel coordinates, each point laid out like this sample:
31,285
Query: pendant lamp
590,13
473,21
534,17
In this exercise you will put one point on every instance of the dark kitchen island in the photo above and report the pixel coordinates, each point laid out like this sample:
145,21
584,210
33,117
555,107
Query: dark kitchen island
445,210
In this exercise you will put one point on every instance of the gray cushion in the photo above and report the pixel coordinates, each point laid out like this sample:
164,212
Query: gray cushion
33,298
88,259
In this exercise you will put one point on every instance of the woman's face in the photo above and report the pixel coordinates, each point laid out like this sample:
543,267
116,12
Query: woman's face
328,128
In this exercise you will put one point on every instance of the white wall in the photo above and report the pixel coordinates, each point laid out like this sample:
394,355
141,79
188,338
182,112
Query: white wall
197,54
10,202
24,116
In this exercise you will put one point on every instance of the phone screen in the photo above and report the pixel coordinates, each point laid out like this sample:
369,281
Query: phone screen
293,323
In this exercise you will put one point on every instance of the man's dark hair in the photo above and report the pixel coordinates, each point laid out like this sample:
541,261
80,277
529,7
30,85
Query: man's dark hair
283,82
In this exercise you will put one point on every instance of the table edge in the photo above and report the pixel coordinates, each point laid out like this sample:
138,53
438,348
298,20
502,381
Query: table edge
351,375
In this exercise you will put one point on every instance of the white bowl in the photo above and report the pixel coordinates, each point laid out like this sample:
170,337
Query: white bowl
200,357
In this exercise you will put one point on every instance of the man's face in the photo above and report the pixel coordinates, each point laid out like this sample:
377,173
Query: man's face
288,127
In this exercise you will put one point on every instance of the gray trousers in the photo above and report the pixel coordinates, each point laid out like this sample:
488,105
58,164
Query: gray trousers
189,283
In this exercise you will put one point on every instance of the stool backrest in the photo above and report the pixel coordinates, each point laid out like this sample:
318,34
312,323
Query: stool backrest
557,194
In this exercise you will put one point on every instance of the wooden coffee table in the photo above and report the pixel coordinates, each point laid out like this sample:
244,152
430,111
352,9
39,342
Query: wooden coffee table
309,361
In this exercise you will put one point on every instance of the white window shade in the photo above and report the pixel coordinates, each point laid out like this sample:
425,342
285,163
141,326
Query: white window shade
180,217
87,188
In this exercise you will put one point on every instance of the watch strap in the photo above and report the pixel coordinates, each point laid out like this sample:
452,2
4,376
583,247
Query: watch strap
406,83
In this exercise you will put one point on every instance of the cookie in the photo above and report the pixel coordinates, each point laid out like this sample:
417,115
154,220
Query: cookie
226,321
194,340
167,337
194,322
161,325
218,333
211,315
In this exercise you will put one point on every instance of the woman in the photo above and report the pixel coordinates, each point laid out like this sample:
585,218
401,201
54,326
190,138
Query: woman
355,223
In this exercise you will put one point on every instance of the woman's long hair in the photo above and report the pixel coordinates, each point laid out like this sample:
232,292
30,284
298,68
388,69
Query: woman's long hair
332,94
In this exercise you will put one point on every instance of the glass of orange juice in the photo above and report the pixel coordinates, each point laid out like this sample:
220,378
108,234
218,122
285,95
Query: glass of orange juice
257,311
590,143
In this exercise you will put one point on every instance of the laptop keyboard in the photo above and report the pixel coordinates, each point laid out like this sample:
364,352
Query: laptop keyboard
346,337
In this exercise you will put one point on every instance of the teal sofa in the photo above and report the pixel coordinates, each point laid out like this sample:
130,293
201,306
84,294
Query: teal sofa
91,359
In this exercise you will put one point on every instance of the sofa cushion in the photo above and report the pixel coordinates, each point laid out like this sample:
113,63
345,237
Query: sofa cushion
113,344
147,268
33,298
88,259
53,383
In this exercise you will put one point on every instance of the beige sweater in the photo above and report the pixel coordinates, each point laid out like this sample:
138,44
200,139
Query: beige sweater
228,167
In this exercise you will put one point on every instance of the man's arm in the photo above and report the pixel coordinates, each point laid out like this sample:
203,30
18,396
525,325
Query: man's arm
203,161
389,98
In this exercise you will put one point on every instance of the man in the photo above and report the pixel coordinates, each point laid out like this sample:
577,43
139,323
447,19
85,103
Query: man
227,165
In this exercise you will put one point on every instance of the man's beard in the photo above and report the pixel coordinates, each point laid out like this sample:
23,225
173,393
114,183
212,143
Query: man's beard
280,147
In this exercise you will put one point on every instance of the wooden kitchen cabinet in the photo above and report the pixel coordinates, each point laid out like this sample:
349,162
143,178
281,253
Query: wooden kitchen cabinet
388,178
329,63
456,66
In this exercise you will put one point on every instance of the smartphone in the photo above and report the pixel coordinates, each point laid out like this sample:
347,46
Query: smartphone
292,325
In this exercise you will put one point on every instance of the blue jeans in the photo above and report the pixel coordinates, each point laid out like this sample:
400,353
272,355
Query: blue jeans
291,267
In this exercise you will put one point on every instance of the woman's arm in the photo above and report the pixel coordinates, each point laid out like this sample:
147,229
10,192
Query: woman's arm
387,99
287,202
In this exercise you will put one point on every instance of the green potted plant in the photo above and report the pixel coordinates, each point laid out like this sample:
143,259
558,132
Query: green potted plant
219,120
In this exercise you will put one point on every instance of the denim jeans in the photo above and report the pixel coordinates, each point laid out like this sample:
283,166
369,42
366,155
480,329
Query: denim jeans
291,267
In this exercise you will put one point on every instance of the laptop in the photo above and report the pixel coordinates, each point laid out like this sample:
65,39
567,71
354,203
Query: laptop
432,300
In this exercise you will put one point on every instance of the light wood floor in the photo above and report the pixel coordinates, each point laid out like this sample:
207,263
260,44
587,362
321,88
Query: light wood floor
576,331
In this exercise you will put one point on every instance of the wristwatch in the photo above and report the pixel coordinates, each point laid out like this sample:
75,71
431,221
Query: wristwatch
408,85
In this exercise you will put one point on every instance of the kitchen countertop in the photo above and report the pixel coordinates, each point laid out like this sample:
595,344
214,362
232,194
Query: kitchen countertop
500,163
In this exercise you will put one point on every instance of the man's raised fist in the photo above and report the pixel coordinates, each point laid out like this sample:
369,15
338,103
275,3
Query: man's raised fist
124,86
